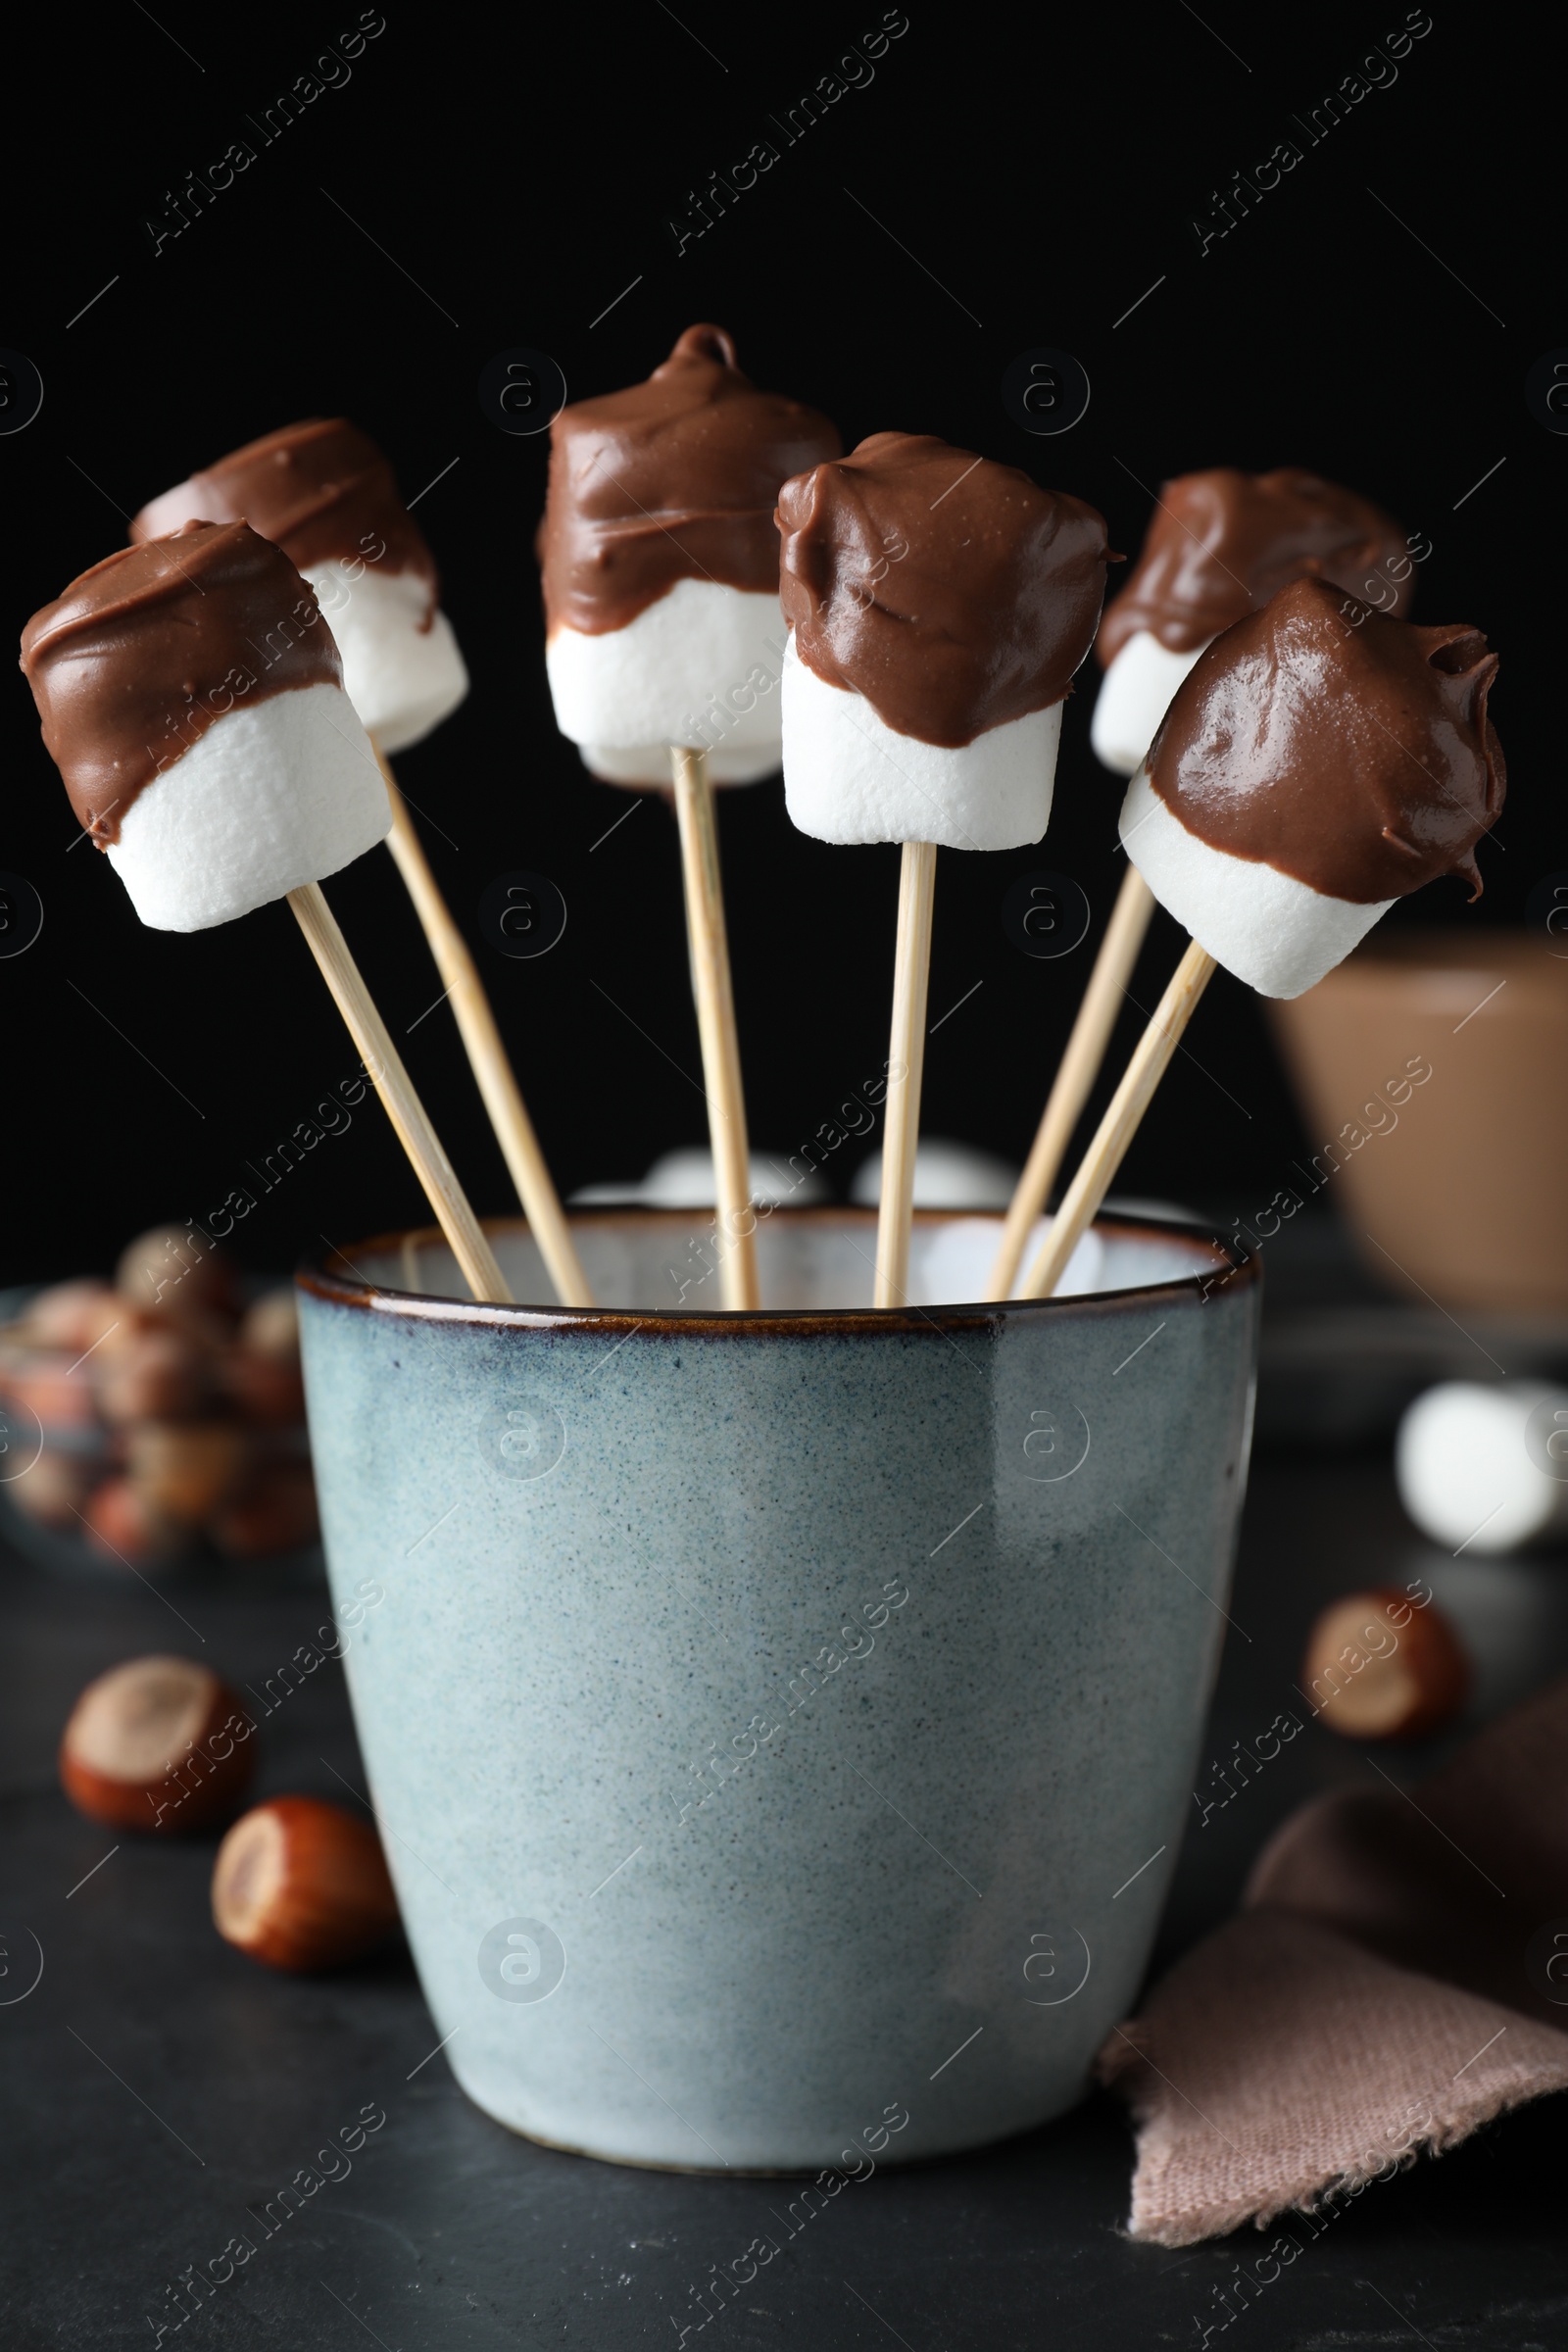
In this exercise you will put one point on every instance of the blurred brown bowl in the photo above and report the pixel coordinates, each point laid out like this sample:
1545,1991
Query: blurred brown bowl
1451,1183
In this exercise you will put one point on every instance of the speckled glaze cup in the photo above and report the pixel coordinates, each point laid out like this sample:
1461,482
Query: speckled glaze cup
781,1724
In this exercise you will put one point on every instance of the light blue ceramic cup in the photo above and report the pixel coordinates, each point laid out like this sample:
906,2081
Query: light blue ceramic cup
781,1725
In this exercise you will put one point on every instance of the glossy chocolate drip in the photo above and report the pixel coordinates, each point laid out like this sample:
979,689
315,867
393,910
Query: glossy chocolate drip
321,491
952,593
1352,752
675,479
152,647
1222,543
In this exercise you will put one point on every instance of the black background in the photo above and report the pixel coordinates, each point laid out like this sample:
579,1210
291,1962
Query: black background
508,175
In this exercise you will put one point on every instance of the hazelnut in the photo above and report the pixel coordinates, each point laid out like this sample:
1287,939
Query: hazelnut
152,1745
72,1317
182,1470
302,1884
53,1490
178,1273
122,1524
271,1327
156,1376
57,1396
266,1390
1380,1666
275,1511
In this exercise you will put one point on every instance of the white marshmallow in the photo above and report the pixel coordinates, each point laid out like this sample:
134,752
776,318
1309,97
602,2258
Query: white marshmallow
1277,934
684,1179
849,777
946,1176
1477,1468
401,678
674,675
1134,696
275,793
649,764
950,1264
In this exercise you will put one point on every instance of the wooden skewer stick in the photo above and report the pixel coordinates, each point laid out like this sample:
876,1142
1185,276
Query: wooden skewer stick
393,1084
1076,1075
1097,1171
487,1059
912,974
716,1022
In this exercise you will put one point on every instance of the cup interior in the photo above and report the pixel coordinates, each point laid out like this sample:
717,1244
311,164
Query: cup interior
809,1260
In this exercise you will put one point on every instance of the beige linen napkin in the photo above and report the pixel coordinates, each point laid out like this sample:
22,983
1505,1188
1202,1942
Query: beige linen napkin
1398,1975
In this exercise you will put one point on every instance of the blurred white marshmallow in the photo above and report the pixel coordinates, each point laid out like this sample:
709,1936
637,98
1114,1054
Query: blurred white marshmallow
946,1175
1483,1468
950,1264
684,1179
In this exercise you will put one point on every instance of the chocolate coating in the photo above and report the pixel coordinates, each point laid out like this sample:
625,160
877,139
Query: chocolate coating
1222,543
952,593
321,491
152,647
1352,752
673,479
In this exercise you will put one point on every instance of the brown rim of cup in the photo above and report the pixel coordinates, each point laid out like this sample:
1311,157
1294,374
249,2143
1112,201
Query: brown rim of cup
337,1280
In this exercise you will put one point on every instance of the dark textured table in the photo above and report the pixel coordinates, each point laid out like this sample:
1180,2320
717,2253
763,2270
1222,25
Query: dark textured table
160,2089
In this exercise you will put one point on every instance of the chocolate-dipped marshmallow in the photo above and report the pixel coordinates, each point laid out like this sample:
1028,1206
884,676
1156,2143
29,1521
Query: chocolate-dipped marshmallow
939,604
191,695
1319,762
659,559
324,494
1221,543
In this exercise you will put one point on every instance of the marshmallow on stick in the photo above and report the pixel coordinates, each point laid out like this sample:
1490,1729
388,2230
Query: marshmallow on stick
191,695
1320,762
663,642
659,561
324,494
939,604
1220,544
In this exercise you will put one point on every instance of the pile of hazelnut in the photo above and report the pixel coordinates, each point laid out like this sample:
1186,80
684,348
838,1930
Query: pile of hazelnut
163,1744
171,1410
